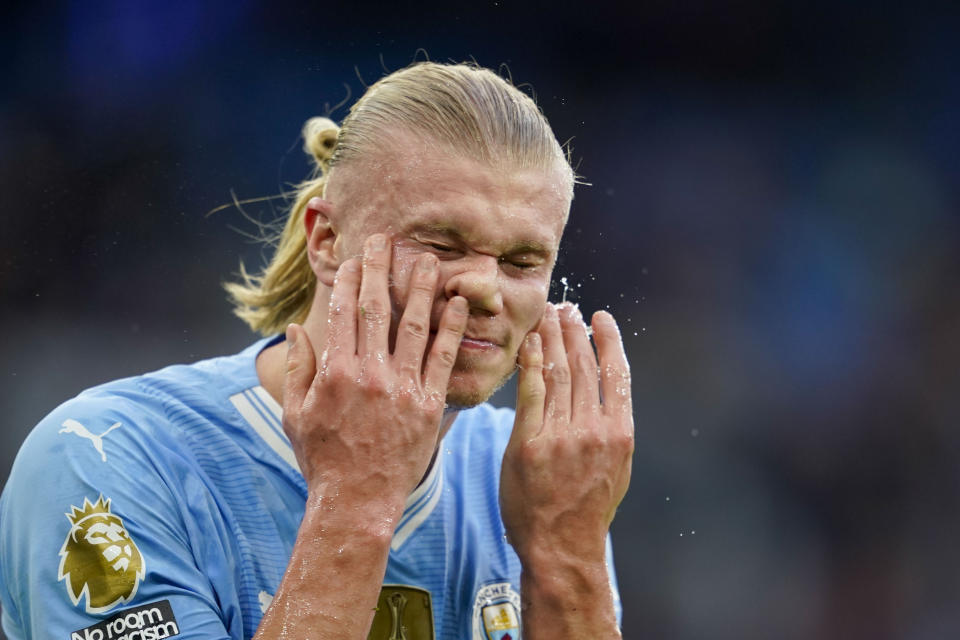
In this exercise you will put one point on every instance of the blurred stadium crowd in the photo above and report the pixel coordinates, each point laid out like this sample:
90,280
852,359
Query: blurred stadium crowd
772,215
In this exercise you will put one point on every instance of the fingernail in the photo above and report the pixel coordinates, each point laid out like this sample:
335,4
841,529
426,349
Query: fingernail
533,341
291,336
379,241
350,265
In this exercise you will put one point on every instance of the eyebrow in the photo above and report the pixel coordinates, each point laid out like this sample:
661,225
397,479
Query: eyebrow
440,228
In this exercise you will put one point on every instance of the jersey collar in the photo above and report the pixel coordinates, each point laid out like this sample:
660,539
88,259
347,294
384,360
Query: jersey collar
265,417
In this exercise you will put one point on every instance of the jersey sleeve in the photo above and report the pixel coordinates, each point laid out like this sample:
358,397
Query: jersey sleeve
95,535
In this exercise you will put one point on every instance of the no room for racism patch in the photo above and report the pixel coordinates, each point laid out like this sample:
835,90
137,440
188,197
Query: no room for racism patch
148,622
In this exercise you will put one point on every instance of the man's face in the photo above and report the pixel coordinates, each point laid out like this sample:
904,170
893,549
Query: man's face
496,233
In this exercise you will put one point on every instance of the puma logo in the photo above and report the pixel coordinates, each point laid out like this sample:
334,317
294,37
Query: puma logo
74,427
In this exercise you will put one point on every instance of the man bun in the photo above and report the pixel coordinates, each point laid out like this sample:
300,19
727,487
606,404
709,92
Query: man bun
320,139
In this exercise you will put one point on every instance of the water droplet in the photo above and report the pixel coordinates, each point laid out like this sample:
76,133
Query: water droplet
668,498
694,432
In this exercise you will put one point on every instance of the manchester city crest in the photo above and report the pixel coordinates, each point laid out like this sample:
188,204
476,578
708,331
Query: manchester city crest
496,613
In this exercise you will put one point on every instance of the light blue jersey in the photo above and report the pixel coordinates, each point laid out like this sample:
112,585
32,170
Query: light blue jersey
167,505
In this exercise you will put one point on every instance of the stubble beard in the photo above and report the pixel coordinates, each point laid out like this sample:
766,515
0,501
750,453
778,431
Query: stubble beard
464,396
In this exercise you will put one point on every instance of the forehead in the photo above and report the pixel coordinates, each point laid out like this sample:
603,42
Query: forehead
423,187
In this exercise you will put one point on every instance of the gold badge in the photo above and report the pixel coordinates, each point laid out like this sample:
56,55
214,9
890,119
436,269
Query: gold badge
99,558
403,613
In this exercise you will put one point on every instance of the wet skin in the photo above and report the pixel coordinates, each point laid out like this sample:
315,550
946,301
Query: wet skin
495,234
433,272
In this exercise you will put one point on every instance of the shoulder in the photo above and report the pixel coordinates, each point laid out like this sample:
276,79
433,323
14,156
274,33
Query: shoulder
127,427
110,435
118,452
81,428
111,426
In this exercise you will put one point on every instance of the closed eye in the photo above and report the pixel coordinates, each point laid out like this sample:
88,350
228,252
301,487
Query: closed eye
521,263
440,249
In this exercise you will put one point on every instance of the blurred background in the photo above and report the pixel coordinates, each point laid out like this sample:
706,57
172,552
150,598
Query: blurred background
772,216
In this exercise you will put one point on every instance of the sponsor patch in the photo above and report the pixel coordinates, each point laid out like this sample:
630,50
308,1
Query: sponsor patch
148,622
496,613
99,559
403,613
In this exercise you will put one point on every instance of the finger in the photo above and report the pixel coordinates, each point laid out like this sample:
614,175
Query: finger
585,391
373,314
414,329
300,370
556,371
531,390
443,353
614,368
342,315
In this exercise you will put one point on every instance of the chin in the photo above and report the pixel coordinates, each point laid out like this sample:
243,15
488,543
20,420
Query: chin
468,389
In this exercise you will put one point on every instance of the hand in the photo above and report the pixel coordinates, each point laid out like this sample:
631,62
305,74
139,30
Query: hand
366,421
567,465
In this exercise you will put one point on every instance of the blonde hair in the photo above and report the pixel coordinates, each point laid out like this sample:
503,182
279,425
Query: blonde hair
469,109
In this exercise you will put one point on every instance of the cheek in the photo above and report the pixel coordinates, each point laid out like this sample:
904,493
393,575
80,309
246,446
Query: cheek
527,301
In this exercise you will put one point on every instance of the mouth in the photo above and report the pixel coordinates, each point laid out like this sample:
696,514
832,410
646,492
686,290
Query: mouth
475,342
478,343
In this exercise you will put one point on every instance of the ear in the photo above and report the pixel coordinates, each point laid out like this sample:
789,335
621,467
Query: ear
321,240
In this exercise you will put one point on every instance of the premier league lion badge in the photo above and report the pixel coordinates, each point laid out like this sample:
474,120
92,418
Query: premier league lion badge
496,613
99,559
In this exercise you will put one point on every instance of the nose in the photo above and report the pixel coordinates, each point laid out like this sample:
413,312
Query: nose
476,278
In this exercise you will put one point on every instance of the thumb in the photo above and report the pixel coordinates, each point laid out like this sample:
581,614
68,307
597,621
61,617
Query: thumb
301,367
